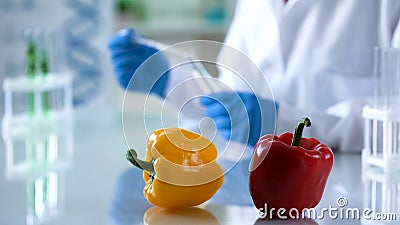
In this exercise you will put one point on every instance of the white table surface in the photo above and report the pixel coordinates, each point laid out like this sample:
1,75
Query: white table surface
89,190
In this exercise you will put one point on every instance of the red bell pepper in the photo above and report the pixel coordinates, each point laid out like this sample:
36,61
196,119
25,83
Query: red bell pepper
289,172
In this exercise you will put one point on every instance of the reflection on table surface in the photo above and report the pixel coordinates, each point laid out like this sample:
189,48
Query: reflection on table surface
188,215
96,185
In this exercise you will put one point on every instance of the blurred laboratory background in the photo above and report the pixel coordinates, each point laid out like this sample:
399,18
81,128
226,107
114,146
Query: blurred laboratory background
63,146
80,30
173,22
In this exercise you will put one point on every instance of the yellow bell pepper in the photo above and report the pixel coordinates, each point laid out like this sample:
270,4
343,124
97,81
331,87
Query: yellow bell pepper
179,169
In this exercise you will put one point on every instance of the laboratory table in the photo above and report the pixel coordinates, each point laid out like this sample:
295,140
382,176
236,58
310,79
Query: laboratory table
86,181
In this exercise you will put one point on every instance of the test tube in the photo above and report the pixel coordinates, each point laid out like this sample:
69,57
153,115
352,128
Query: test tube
387,99
206,83
31,70
387,78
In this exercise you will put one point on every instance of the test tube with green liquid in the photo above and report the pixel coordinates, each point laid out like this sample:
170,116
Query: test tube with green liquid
44,69
31,73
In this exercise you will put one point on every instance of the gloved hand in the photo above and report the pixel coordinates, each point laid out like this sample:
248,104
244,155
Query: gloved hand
128,56
241,116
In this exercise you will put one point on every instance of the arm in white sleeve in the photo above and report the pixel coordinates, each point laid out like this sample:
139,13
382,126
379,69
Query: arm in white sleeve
341,126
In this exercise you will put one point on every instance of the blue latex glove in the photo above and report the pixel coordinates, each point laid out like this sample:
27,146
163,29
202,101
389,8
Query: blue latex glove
241,117
128,56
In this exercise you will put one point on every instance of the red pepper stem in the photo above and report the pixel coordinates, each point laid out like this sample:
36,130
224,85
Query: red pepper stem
298,131
131,156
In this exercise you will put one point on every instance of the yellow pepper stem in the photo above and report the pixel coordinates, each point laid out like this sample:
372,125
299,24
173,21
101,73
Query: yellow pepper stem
131,156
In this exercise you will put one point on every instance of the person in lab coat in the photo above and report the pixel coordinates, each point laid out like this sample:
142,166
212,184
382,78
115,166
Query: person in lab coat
317,56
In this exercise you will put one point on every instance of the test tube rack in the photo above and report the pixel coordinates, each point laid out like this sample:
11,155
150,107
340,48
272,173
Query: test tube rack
38,140
39,127
36,87
381,139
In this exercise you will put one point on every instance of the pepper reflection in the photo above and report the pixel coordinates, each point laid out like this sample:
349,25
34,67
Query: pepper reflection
184,216
305,221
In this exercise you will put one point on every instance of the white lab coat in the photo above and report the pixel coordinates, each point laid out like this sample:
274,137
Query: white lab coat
317,56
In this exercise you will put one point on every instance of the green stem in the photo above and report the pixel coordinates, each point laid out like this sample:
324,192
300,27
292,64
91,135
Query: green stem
131,156
298,131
